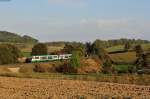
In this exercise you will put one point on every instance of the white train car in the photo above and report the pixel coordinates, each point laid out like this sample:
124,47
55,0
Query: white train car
46,58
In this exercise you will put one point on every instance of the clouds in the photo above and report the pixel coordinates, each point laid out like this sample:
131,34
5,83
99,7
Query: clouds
117,25
84,29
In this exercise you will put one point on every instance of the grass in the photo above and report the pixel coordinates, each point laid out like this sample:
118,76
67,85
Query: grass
115,48
122,68
26,54
127,57
145,46
122,79
121,48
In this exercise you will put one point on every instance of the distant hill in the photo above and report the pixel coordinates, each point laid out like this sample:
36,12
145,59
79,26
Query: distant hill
15,38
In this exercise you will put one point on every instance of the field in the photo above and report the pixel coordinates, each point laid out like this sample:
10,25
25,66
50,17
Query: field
20,81
16,88
115,48
121,48
127,57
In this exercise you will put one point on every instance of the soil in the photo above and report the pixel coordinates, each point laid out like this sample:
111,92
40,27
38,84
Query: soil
24,88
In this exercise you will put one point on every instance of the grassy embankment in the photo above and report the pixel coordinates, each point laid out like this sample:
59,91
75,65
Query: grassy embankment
27,72
118,57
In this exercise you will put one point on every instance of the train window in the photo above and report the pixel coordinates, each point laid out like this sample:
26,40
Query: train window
36,57
50,57
55,56
66,56
61,56
43,57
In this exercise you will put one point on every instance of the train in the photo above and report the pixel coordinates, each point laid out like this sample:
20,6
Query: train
47,58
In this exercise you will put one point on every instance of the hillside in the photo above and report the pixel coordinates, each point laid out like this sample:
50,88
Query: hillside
15,38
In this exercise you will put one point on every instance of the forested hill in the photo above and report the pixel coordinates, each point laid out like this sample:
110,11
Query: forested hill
15,38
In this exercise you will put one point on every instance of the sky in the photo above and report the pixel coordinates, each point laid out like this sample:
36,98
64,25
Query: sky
76,20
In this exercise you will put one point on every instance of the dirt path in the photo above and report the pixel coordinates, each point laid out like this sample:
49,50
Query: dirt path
17,88
14,70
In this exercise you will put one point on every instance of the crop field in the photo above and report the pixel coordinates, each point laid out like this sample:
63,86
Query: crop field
115,48
16,88
127,57
121,47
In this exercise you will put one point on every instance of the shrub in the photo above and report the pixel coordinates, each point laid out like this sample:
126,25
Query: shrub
66,68
132,69
139,51
127,46
122,68
75,60
44,68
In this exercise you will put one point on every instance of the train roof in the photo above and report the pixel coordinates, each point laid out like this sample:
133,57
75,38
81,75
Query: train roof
49,54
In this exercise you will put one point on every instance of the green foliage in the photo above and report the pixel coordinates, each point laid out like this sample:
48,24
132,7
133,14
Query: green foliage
132,69
39,49
139,51
25,54
71,47
75,59
66,68
89,48
9,54
107,67
116,42
127,46
100,52
12,37
15,51
115,48
122,68
140,63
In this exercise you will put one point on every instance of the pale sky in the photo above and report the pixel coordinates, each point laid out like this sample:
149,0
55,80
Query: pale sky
76,20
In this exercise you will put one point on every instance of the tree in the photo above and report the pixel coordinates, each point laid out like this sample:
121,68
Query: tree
127,46
71,47
140,57
89,48
139,51
39,49
9,54
75,60
15,51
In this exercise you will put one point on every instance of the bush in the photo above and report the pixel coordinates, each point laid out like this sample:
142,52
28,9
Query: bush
66,68
39,49
122,68
44,68
75,60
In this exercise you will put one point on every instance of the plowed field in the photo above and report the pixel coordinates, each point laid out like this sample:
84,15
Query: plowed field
23,88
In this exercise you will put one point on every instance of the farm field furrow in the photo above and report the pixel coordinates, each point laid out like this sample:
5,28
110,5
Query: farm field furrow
23,88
